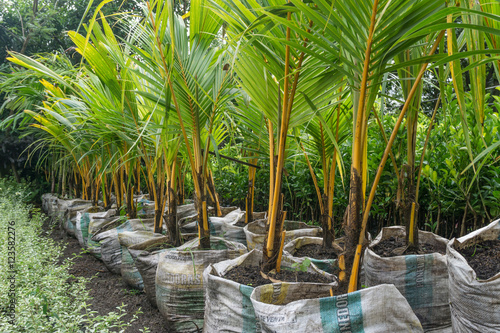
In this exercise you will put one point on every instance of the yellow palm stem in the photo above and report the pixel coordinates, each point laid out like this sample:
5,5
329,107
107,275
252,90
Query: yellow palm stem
280,255
281,150
357,258
411,236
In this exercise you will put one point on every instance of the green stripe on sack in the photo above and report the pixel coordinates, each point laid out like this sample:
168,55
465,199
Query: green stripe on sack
418,280
70,224
342,313
247,310
84,226
327,265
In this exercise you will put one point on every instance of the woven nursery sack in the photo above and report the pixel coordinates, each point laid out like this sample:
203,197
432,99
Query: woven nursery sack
48,202
189,223
235,233
145,207
327,265
226,210
475,303
107,236
286,308
52,205
146,259
129,271
95,225
228,307
185,210
67,210
228,229
421,279
179,281
255,232
85,217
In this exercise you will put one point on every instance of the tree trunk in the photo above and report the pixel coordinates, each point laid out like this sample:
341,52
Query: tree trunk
77,187
70,184
28,37
352,224
158,219
53,180
270,260
464,219
172,227
409,206
328,232
14,170
59,183
203,222
131,211
95,197
249,203
63,184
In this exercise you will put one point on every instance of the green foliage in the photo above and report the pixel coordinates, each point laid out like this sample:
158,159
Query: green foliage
37,26
231,181
45,301
303,266
445,189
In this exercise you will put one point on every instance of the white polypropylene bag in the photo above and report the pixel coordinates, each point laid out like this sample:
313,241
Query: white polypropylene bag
67,209
296,307
111,251
85,217
146,261
227,303
179,281
421,279
475,304
145,207
95,225
236,233
49,201
129,271
255,232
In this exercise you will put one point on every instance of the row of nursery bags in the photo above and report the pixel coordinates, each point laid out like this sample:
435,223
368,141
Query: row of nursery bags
175,281
433,292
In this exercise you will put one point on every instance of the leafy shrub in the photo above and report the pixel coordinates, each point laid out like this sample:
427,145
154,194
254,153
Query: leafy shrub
47,298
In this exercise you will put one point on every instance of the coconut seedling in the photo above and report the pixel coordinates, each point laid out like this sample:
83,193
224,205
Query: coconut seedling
106,113
192,70
407,200
474,39
59,129
275,70
366,36
318,143
247,124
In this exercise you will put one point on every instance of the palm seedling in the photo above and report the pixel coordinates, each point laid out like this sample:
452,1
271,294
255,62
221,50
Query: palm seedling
191,67
319,144
275,70
367,36
247,122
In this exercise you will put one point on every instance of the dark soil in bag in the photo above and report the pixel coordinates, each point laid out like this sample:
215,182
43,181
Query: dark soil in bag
315,251
395,246
251,276
483,258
